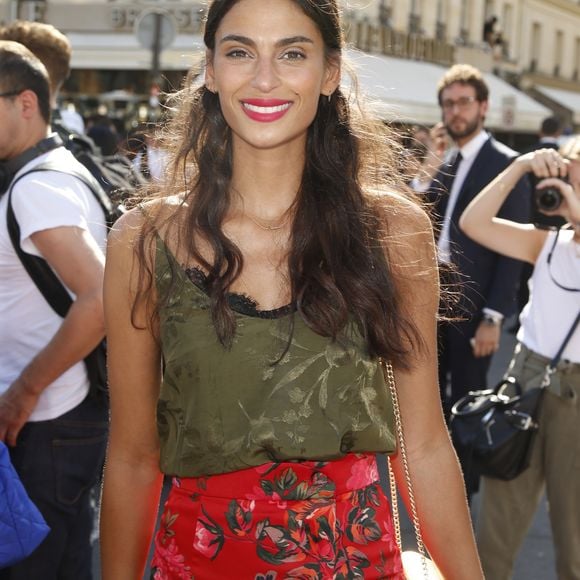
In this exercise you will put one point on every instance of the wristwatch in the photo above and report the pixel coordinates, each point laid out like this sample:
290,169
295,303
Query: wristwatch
491,320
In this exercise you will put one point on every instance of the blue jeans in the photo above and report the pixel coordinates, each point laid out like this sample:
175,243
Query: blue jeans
59,461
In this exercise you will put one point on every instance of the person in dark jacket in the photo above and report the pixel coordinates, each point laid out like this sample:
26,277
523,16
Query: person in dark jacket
488,280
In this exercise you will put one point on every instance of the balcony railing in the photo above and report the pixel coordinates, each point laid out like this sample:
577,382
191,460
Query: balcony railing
33,10
384,40
189,18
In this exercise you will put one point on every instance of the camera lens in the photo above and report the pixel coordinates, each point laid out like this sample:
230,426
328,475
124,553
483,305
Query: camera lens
548,198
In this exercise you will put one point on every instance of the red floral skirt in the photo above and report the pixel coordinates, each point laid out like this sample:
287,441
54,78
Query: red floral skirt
308,520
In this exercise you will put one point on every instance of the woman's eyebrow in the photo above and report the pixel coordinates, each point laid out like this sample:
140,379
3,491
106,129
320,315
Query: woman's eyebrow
280,43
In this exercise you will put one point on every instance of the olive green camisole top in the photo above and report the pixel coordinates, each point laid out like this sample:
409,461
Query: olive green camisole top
263,400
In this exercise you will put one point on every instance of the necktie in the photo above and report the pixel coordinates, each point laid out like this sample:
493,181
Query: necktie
443,203
447,176
452,172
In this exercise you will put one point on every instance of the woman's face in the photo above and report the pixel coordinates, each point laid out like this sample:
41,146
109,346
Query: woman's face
269,69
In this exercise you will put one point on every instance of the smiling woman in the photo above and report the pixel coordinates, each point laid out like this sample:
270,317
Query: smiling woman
266,276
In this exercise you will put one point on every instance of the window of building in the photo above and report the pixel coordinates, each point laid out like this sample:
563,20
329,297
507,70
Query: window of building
386,13
489,9
415,17
442,15
464,20
33,10
507,24
536,41
558,52
576,73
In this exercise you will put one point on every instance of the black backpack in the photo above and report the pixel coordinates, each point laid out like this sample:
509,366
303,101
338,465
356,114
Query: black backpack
114,173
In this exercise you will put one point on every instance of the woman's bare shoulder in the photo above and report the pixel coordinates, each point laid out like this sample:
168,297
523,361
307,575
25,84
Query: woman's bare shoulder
409,244
153,213
401,213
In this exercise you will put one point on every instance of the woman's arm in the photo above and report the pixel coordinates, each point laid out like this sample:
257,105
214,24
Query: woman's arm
437,482
132,481
520,241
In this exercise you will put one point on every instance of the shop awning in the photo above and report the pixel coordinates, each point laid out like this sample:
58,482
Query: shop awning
122,51
404,90
568,99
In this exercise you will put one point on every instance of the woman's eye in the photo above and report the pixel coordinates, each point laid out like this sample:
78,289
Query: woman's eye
237,53
294,55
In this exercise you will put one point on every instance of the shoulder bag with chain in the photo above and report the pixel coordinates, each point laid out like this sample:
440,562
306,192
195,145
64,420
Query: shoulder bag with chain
416,565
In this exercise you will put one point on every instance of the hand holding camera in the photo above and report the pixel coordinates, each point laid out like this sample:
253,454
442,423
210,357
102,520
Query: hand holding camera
553,193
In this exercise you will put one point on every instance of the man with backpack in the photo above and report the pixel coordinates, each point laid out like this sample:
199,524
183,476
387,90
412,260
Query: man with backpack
52,223
115,173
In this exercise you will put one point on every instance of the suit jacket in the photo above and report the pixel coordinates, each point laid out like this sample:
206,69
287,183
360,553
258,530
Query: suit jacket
488,279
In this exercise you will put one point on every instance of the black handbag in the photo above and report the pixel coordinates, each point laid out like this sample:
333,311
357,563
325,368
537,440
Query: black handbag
495,428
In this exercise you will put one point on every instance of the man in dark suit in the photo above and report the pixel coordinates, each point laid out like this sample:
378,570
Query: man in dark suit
488,281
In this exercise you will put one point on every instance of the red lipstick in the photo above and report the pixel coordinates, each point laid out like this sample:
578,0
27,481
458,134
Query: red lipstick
265,110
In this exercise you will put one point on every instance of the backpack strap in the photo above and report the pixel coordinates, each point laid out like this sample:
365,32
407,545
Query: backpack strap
82,175
41,273
37,268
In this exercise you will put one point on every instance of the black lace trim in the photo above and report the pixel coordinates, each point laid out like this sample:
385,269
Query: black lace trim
237,301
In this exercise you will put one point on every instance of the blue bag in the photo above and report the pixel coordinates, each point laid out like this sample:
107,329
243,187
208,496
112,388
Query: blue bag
22,527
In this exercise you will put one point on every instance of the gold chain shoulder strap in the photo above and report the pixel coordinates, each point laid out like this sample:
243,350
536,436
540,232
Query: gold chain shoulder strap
390,377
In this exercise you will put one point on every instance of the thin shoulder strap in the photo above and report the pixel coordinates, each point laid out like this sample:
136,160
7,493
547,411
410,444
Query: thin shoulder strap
571,331
549,260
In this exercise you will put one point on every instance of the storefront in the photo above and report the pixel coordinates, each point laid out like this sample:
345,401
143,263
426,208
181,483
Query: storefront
112,74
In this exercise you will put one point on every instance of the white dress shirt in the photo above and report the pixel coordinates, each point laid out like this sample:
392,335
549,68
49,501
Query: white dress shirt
468,152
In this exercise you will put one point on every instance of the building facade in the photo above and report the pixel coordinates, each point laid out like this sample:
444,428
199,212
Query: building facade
534,45
119,61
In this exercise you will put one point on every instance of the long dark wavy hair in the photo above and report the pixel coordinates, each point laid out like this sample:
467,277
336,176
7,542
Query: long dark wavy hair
338,267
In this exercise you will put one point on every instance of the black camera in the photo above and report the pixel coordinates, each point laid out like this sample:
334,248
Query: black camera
548,198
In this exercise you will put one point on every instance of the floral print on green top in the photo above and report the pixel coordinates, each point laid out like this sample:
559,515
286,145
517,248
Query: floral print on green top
264,399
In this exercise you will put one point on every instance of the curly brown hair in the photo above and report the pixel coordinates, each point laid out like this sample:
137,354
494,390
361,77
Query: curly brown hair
464,74
49,45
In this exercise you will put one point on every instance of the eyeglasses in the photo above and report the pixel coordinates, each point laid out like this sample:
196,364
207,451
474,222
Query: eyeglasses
10,93
461,103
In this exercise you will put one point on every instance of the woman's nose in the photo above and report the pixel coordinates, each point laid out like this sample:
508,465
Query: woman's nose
266,75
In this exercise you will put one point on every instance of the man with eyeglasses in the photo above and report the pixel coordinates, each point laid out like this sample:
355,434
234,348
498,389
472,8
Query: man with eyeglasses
55,429
487,282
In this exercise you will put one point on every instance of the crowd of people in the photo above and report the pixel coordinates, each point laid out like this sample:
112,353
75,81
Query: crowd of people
279,261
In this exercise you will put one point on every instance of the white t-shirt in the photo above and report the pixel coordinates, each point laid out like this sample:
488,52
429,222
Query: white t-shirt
41,201
548,315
